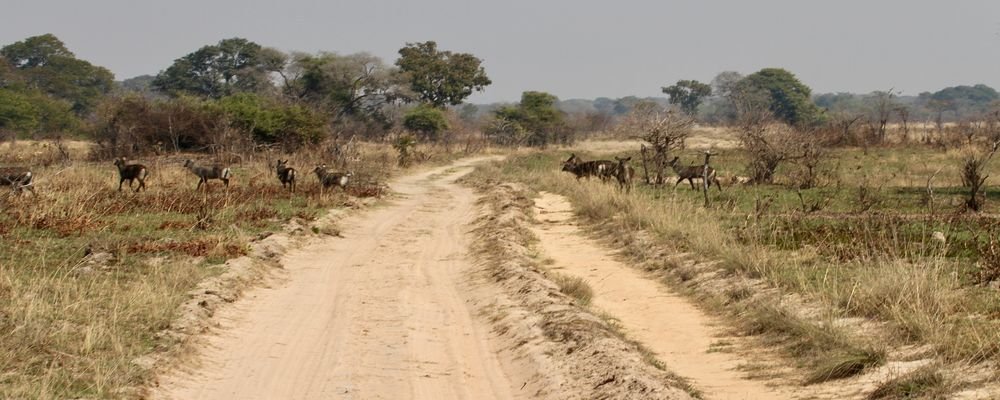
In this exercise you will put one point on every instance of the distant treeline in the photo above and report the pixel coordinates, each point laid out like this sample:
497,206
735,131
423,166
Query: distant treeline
236,94
952,104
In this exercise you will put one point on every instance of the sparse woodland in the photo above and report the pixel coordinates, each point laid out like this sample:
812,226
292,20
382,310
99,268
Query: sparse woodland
879,207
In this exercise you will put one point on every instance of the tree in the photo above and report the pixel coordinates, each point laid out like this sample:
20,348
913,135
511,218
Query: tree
356,85
881,106
427,121
231,66
719,107
537,115
17,113
469,112
688,94
664,131
441,77
142,84
44,63
269,121
968,99
787,98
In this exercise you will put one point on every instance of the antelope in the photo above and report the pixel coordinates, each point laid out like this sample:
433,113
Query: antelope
624,173
693,172
330,178
205,173
18,179
286,174
131,172
600,168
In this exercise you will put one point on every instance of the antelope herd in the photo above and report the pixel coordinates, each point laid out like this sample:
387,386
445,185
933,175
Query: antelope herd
20,179
623,173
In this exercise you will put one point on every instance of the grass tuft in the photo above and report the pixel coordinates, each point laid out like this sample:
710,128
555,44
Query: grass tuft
923,383
573,286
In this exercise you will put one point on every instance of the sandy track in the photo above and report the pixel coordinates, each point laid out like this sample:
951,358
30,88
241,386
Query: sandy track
377,314
675,330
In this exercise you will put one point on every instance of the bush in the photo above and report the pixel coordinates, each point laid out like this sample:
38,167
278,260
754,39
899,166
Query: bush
426,121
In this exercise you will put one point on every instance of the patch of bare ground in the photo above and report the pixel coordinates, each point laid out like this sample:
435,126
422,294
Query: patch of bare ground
579,354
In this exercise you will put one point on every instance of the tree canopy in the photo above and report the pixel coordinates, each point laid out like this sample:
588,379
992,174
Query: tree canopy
688,94
425,120
44,63
232,66
536,116
441,77
782,93
355,85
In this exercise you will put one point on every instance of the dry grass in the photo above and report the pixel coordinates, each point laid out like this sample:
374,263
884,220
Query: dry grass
71,325
923,383
924,295
573,286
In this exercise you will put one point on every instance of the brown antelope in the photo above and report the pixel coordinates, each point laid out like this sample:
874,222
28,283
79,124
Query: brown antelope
693,172
131,172
586,169
18,179
331,178
286,174
624,173
205,173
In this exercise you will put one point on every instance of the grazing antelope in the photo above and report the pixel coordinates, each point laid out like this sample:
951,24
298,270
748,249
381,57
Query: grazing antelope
286,174
599,168
693,172
131,172
205,173
624,173
331,178
18,179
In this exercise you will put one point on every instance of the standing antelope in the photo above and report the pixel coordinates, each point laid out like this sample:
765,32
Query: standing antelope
205,173
131,172
331,178
600,168
694,172
286,174
624,173
18,179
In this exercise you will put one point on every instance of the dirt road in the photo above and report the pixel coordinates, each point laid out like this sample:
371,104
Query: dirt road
378,314
680,334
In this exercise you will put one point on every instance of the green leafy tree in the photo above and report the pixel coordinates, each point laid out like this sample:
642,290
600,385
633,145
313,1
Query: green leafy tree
360,85
441,77
688,94
268,121
537,115
427,121
142,84
782,93
232,66
44,63
17,113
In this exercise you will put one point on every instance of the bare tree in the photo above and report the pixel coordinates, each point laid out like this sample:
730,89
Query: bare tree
974,177
768,143
904,118
664,131
882,106
843,123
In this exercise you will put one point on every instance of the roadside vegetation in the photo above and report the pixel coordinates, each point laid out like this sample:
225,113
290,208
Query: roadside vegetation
867,242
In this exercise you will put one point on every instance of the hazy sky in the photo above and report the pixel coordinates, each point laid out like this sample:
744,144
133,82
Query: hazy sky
573,49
